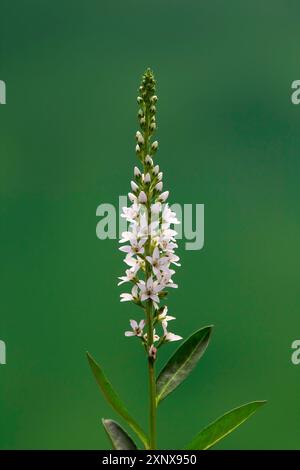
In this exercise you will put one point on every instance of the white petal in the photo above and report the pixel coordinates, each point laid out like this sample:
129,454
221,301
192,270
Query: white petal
172,337
133,324
129,333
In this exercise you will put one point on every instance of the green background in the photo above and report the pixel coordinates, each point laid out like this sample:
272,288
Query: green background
229,138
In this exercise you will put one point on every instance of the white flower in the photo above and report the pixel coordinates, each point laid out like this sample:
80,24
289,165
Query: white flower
169,336
130,274
131,213
158,263
166,245
168,216
135,263
164,279
136,247
154,146
137,148
173,258
137,328
149,290
164,317
133,296
164,196
155,336
160,176
156,208
142,197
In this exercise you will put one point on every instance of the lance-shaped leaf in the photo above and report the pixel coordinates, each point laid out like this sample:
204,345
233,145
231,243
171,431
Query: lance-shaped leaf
223,426
114,400
182,362
118,436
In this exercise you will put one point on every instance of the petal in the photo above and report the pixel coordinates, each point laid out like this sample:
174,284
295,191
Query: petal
133,324
125,249
155,255
173,337
129,333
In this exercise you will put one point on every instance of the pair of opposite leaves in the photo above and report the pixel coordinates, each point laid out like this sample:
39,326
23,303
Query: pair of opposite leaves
173,374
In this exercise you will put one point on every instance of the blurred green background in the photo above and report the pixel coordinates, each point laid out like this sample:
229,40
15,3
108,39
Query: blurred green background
229,138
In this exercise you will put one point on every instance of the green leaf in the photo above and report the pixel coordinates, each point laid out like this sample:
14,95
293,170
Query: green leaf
118,436
182,362
114,400
223,426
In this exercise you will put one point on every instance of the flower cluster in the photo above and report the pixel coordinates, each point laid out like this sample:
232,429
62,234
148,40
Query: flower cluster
149,244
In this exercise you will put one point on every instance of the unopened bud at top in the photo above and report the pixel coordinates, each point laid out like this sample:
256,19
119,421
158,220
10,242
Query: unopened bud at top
137,172
132,197
139,138
149,160
156,169
142,197
159,186
154,145
147,178
164,196
134,186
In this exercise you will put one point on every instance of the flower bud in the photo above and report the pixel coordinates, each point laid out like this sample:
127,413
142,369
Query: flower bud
152,126
149,160
159,186
137,172
142,121
142,197
132,197
140,113
154,145
147,178
154,99
139,99
164,196
152,352
152,109
139,138
156,169
137,148
159,176
134,186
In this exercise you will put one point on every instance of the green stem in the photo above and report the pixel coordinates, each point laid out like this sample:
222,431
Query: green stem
152,382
